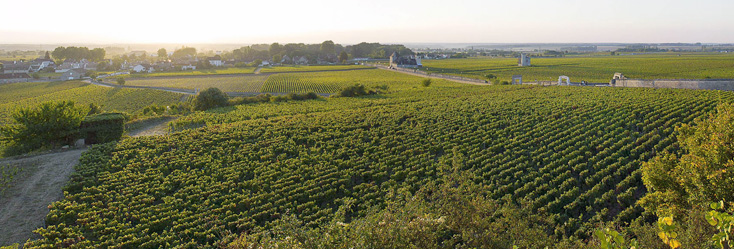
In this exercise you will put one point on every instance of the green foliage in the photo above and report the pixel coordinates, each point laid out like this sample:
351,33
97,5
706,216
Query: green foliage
7,173
94,109
248,83
210,98
353,91
110,99
13,246
596,69
120,81
426,83
667,232
611,239
724,223
103,128
48,125
703,174
564,153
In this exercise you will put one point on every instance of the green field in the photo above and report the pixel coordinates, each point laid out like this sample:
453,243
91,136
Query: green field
332,82
598,69
111,99
250,83
231,70
296,68
572,152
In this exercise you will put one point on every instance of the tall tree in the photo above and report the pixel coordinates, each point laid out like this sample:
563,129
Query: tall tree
343,57
162,53
275,49
327,48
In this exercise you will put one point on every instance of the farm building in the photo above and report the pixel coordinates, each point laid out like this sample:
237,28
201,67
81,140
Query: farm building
14,77
411,61
524,60
73,74
17,67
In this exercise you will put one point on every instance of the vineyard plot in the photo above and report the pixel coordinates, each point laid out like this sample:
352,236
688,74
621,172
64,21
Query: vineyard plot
251,83
573,152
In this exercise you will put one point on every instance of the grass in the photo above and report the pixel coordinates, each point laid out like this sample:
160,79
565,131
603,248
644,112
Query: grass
596,69
251,83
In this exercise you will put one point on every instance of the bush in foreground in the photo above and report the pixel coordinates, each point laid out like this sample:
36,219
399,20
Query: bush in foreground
210,98
50,125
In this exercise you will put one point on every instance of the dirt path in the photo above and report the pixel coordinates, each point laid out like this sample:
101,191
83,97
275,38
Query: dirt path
24,206
152,128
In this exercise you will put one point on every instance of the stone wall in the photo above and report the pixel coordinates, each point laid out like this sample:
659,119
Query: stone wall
723,84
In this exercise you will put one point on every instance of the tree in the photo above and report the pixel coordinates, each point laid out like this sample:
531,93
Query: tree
327,48
48,125
210,98
275,48
92,74
47,56
162,53
121,81
97,54
277,58
185,52
704,174
343,57
257,63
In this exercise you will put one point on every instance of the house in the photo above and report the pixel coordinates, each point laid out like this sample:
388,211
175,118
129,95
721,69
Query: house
300,60
188,67
91,66
216,61
71,64
286,60
14,77
143,68
73,74
17,67
411,61
39,64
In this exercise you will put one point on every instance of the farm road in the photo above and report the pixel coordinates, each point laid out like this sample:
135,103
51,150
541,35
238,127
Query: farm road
436,76
24,205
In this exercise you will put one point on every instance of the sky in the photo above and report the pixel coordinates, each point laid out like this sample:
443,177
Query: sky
348,22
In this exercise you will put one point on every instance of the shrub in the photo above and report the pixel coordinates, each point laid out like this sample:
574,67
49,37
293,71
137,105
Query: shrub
121,81
426,83
210,98
353,91
103,128
48,125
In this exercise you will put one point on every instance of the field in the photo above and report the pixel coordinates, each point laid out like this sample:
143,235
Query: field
332,82
111,99
233,70
292,69
250,83
574,152
598,69
318,82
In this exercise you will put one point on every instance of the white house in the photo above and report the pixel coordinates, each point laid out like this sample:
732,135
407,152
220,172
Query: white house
73,74
188,67
143,68
216,61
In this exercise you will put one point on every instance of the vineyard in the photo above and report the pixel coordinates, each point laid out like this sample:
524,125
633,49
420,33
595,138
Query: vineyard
574,152
251,83
202,72
598,69
292,69
111,99
332,82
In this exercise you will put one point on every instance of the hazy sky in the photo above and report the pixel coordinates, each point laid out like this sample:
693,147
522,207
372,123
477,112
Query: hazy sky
345,21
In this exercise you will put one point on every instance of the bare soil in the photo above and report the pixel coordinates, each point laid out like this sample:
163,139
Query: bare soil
24,205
